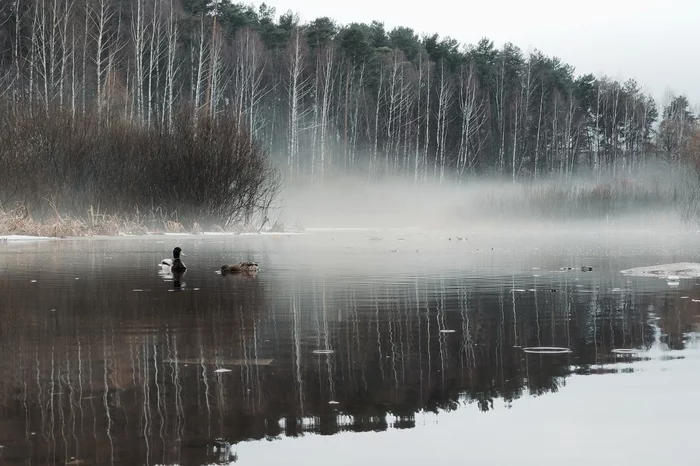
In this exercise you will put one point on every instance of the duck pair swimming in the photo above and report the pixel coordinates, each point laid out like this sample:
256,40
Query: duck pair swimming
176,265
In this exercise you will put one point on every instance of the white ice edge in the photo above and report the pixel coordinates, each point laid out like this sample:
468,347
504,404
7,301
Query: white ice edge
675,270
226,233
269,233
24,238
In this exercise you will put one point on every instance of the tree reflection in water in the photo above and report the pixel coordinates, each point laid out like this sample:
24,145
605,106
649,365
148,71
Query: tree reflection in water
115,376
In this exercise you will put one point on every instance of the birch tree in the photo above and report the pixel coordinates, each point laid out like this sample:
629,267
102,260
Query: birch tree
172,65
472,118
445,91
298,88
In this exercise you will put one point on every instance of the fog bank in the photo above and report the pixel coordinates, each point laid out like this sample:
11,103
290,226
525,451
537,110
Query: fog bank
645,201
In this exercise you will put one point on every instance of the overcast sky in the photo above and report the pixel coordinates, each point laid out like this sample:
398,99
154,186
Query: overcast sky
656,42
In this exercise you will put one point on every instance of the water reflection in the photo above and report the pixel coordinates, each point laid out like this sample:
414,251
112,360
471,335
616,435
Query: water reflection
95,373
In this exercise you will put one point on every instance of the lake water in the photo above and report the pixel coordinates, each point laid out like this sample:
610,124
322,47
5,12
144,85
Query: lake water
347,348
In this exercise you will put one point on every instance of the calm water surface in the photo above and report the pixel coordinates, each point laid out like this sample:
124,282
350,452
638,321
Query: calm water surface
349,348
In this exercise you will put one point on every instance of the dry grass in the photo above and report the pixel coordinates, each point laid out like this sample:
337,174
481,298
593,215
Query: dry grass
19,221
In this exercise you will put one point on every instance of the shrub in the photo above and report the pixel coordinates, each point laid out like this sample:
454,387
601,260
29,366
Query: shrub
211,173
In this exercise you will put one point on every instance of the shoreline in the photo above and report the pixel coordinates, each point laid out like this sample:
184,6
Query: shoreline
17,238
448,232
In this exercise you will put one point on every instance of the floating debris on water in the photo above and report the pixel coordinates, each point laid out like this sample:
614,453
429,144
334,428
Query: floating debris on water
75,461
546,350
447,331
696,300
33,281
685,297
332,402
137,289
323,351
77,278
222,370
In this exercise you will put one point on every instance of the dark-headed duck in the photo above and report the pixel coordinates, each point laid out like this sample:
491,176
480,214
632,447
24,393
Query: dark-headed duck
175,264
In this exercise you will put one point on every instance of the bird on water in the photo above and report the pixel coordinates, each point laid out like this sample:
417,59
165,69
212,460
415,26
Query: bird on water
241,267
175,264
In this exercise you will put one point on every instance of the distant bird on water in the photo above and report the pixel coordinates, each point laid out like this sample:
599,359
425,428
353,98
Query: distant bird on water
175,264
241,267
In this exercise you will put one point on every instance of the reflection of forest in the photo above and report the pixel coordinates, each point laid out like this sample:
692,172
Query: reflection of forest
125,385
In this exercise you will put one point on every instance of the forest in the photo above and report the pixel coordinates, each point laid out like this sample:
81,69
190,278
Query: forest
323,98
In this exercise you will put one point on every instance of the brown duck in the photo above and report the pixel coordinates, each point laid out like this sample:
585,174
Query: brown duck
241,267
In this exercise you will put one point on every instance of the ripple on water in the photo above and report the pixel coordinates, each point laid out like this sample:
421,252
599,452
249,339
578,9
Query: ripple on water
546,350
624,351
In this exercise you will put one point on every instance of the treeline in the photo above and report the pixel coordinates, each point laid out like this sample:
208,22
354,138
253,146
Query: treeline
325,98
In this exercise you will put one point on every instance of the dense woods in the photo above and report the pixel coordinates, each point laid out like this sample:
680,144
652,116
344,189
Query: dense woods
328,98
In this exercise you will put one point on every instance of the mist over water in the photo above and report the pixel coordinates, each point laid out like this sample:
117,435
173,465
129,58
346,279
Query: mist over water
348,346
653,198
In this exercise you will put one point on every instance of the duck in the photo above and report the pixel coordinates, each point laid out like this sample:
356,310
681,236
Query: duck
241,267
175,264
